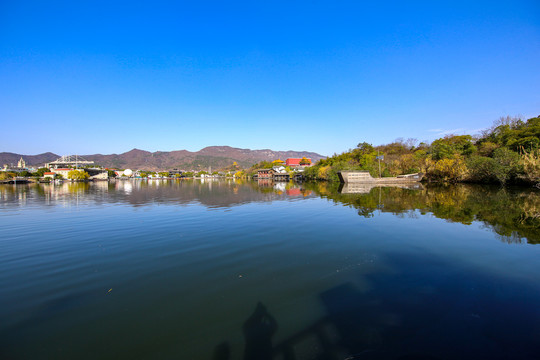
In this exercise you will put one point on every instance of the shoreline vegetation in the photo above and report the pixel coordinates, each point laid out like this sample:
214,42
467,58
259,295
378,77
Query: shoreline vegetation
506,153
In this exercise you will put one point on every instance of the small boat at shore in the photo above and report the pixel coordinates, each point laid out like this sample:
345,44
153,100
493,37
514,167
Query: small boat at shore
365,177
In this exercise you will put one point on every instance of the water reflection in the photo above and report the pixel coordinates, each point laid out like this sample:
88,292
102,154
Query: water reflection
363,188
211,193
177,281
513,214
414,313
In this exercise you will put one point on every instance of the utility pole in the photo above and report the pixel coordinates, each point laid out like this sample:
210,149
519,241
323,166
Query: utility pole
378,157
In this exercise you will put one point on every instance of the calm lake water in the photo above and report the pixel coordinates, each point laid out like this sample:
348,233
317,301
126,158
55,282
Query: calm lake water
241,270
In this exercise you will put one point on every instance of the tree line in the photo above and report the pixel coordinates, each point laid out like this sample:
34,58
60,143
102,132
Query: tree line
507,152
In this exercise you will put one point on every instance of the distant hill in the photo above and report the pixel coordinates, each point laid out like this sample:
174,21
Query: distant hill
214,156
31,160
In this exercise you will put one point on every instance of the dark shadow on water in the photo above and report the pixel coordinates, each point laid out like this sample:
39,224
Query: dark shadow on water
258,330
222,351
430,309
424,309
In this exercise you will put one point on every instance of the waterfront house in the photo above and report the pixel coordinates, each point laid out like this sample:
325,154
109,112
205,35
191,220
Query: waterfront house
281,177
265,173
280,169
175,173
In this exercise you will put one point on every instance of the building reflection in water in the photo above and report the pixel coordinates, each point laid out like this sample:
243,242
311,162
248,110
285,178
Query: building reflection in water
513,214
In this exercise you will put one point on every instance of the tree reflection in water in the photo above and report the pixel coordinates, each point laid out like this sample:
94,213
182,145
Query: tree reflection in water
513,213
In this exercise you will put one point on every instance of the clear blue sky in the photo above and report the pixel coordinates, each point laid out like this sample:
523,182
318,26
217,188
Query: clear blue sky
84,77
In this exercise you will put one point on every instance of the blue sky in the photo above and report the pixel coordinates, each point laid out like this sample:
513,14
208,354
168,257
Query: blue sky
84,77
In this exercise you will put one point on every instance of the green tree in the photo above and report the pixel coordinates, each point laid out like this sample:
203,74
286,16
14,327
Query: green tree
78,175
449,170
365,148
481,169
514,133
447,147
506,164
41,171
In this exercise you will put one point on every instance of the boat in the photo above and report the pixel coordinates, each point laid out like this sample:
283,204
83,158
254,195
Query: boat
364,177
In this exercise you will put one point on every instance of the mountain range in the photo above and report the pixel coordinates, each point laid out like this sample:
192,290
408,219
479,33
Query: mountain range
212,156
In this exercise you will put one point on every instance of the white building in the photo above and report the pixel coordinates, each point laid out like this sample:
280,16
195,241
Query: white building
62,171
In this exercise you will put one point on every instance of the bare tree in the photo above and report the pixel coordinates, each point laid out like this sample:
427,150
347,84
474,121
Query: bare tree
514,122
411,143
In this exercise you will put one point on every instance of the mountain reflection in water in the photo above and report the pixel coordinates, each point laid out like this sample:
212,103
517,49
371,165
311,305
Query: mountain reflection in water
227,269
513,214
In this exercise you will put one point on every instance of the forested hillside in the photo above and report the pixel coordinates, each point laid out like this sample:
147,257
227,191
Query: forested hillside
509,151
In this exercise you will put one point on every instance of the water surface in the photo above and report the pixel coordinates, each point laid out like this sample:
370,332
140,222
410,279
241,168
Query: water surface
241,270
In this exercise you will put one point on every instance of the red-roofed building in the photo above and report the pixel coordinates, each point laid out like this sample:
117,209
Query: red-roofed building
296,162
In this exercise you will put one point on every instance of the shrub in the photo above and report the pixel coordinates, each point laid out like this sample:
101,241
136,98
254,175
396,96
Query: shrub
450,170
530,166
506,164
481,169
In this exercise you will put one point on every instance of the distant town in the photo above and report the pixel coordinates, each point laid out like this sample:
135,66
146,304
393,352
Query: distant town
76,168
